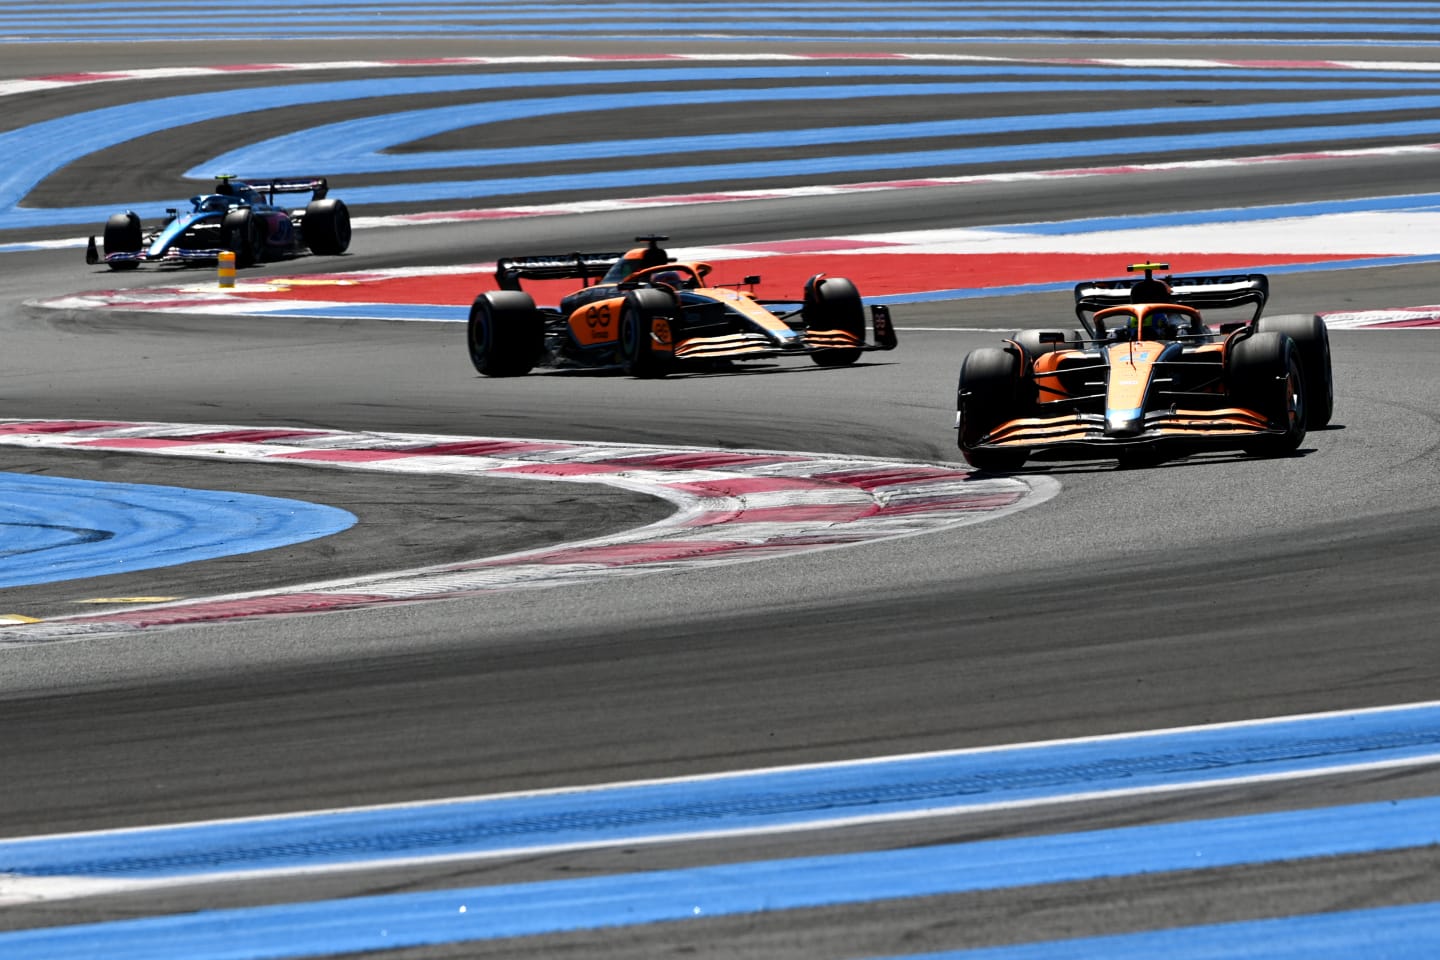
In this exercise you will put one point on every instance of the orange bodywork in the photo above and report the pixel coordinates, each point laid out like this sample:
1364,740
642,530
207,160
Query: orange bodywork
598,323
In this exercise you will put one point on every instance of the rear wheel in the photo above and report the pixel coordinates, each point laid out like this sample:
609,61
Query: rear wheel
123,235
1312,341
506,334
646,320
833,303
986,398
326,227
1264,374
240,233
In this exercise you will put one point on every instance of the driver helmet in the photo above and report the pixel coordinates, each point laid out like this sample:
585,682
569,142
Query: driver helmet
1165,324
672,278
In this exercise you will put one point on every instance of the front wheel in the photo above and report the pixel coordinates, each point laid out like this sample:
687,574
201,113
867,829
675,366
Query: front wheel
647,334
123,235
505,334
832,304
986,398
240,233
1264,374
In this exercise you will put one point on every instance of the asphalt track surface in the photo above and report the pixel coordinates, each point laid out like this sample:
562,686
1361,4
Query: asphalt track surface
1206,590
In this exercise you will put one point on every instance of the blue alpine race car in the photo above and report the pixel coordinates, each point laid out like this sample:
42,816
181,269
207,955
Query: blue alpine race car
238,216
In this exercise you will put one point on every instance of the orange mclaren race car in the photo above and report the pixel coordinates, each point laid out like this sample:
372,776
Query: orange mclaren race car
651,314
1147,375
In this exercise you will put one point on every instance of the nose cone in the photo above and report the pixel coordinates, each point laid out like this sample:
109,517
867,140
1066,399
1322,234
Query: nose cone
1124,423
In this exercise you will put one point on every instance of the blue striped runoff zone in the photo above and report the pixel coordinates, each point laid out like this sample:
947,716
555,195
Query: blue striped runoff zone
755,802
359,146
58,528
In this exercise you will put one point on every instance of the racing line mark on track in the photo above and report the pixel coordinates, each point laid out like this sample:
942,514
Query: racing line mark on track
733,506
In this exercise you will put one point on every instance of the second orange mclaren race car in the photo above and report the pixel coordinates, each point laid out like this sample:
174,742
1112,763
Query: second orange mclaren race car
651,315
1147,375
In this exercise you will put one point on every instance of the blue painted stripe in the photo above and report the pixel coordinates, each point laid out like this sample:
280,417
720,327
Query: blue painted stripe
39,149
1410,932
368,145
55,528
743,802
651,177
519,910
440,313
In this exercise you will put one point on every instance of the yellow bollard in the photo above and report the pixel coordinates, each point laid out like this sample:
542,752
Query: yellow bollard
225,268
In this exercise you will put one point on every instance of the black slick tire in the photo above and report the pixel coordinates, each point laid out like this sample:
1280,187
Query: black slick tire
986,398
123,235
833,303
240,233
505,334
1264,374
326,227
1312,340
641,319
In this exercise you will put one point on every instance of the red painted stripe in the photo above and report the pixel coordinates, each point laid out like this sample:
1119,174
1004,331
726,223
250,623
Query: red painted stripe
802,513
739,486
68,426
866,477
252,436
704,460
872,479
629,554
483,448
80,77
560,469
875,274
345,456
204,611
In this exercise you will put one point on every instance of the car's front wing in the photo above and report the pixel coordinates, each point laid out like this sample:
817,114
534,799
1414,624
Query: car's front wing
1226,425
172,255
753,344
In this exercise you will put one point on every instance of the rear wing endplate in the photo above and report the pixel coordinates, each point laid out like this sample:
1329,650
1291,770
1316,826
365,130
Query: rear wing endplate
1201,292
561,266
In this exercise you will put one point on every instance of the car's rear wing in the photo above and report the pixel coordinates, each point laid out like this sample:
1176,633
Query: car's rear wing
318,186
561,266
1201,292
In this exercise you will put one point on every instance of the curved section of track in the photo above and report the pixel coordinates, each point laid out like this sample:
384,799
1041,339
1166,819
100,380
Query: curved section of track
734,505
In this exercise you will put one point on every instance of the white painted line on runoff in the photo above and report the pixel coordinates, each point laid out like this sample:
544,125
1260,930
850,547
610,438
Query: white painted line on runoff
732,506
1402,318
